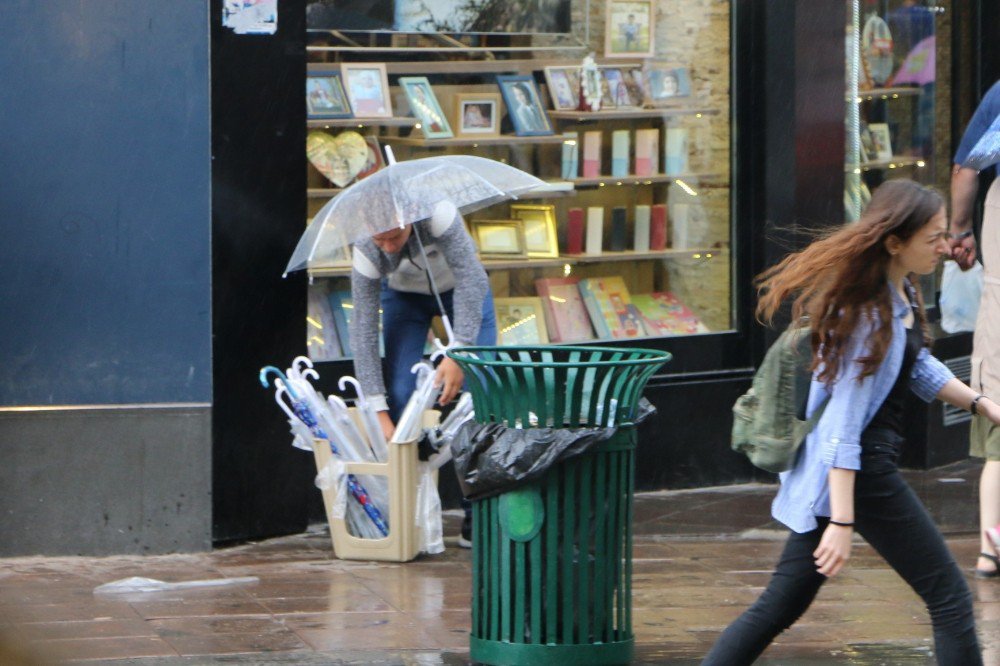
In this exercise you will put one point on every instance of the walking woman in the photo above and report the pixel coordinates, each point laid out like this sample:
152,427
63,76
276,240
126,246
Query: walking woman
870,346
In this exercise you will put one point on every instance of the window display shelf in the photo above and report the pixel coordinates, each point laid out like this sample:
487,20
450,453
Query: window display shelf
884,93
609,181
634,114
897,162
555,191
342,270
502,140
327,123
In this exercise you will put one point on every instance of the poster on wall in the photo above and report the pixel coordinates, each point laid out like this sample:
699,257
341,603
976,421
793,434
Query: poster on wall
449,16
250,17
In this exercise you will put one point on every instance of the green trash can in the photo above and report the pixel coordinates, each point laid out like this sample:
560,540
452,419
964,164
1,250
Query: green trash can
552,561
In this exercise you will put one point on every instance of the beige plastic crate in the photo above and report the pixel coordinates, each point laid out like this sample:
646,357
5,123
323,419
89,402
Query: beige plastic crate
403,542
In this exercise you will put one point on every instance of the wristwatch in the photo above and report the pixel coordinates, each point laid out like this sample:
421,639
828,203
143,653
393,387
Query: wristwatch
974,408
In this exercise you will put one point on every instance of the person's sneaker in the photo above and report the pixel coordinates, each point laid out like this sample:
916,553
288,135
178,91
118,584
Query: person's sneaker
993,534
465,538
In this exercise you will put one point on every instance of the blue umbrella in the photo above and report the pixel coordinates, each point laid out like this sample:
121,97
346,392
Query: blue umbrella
986,152
302,410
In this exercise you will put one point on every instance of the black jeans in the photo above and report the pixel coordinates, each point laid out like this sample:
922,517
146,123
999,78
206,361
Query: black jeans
888,514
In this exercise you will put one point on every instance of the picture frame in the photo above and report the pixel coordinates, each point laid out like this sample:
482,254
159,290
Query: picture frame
326,97
621,94
628,28
367,87
666,84
540,238
563,84
520,321
424,105
499,239
881,142
477,114
524,105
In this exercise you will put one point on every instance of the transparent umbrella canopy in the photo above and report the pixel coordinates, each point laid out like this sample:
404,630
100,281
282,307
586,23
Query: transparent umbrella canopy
403,193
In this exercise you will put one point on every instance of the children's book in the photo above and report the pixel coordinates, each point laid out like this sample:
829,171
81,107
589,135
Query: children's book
664,314
565,314
607,300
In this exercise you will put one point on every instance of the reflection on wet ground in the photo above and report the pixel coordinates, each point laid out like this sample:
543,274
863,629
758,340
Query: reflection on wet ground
701,557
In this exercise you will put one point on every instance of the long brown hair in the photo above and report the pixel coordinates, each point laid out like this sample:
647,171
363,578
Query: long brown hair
841,277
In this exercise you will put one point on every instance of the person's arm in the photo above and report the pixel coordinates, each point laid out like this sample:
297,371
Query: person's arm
964,185
957,394
365,290
471,286
835,545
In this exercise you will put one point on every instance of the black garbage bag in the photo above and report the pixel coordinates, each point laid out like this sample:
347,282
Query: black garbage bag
491,458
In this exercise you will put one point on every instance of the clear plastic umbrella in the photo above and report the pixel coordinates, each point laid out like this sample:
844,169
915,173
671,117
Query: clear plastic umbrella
403,193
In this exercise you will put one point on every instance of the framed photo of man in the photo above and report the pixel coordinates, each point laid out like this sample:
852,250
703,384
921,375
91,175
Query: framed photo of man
477,114
424,105
628,28
524,106
367,87
325,96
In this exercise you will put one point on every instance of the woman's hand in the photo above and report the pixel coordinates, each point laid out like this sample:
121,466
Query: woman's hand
388,427
449,377
834,549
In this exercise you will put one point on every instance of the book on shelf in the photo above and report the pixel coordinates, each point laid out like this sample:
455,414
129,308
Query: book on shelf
592,154
618,229
664,314
608,304
570,155
619,153
574,231
322,341
676,151
342,306
647,152
658,227
565,314
595,230
641,240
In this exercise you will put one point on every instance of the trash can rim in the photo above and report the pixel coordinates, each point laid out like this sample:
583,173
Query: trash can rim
465,354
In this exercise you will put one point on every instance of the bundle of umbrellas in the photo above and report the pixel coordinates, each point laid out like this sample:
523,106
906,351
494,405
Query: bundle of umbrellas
362,500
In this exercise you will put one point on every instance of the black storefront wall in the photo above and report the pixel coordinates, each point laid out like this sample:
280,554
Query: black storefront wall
261,485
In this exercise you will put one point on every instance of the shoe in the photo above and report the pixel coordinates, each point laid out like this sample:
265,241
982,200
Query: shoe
992,573
465,538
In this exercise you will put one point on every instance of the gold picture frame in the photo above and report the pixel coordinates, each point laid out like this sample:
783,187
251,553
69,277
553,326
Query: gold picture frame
499,239
540,238
520,321
477,114
629,28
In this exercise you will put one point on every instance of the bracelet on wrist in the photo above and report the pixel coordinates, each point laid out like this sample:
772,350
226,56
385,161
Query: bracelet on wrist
840,524
974,407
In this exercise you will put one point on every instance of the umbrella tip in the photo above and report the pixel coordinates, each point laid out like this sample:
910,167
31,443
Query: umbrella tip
390,158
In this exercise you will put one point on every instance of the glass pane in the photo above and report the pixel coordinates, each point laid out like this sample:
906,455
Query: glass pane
631,236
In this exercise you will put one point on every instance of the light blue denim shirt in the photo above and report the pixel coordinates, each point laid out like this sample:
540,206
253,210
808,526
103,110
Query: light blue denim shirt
836,439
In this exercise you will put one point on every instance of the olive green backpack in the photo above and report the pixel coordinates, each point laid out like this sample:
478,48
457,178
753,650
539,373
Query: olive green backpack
766,419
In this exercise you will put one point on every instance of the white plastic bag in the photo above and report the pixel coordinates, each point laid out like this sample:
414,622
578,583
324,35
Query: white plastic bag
428,516
960,294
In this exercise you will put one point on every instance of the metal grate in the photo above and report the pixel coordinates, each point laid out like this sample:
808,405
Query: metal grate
962,368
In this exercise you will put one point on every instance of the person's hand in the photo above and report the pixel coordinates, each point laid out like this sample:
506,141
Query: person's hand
388,427
834,549
963,250
449,377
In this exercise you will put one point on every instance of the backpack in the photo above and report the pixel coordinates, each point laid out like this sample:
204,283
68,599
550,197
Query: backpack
769,421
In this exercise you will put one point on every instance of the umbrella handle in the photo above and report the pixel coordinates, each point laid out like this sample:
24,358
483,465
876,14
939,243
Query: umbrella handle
348,380
441,349
271,370
300,362
281,390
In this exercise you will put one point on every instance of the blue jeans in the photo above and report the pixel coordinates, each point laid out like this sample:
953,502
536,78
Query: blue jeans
406,318
891,518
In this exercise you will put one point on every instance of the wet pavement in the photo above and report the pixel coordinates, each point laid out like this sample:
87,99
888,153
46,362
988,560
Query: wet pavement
701,556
